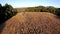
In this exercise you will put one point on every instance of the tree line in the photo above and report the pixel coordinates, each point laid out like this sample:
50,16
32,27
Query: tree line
6,12
49,9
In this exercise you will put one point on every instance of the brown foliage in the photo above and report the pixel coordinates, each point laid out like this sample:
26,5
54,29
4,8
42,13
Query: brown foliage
32,23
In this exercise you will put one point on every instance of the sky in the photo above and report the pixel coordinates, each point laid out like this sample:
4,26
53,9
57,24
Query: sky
31,3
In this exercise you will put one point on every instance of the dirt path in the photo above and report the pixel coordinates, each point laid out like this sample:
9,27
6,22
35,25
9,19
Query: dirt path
32,23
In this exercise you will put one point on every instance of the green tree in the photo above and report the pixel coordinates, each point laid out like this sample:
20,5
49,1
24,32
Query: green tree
7,11
58,12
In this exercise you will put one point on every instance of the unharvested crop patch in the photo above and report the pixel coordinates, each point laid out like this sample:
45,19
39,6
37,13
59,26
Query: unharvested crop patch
32,23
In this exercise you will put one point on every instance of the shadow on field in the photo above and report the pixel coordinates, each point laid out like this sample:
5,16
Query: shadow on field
57,17
2,27
2,22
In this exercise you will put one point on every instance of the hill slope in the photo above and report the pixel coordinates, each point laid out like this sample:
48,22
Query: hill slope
32,23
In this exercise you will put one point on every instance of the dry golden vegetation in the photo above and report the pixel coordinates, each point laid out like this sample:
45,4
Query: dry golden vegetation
32,23
20,10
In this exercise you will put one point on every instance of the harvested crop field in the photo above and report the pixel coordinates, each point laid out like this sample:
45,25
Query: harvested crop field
32,23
